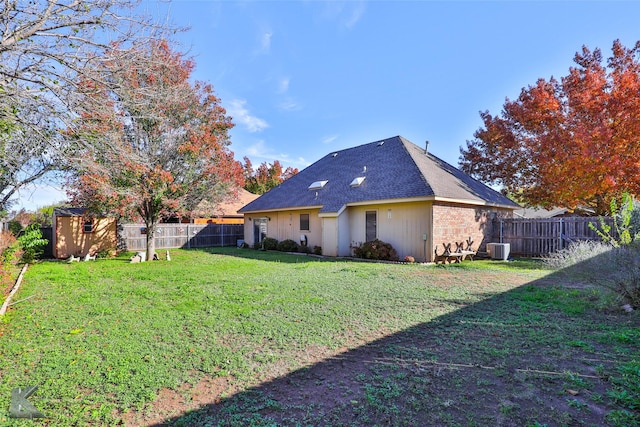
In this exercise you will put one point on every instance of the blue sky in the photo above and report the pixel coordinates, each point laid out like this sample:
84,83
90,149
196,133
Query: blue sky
305,78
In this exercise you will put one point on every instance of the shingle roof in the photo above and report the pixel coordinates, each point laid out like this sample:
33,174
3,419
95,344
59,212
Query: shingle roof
228,207
69,211
64,212
395,169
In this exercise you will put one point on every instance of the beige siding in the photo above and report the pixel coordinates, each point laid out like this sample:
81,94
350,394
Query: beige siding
283,225
72,240
248,230
344,235
400,224
330,236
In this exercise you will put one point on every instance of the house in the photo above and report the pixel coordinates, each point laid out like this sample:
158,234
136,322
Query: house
225,212
390,189
556,212
76,233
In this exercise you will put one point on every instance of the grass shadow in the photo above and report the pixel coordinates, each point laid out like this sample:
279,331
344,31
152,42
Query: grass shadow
540,354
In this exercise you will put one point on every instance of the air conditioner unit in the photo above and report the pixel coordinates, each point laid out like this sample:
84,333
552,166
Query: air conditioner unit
499,250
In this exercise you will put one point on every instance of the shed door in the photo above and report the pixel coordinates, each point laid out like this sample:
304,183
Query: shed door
371,218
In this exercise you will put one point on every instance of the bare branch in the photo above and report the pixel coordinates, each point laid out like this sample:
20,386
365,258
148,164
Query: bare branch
46,48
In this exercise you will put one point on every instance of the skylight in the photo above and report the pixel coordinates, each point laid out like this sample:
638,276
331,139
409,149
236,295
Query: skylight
318,185
357,182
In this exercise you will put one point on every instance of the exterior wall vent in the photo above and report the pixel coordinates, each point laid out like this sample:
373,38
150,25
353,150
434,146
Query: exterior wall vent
318,185
357,182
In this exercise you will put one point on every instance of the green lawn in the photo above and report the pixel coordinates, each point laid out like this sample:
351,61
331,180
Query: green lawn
242,337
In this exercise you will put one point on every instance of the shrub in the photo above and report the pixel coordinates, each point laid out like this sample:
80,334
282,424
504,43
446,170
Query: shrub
269,244
376,249
106,253
15,227
621,274
304,249
32,243
626,222
575,253
288,245
7,239
614,268
317,250
9,254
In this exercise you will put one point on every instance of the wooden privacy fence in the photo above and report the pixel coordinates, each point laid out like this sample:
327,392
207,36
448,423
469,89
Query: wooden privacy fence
538,237
134,238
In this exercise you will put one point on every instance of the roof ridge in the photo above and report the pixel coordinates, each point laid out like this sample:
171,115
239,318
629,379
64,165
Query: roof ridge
383,140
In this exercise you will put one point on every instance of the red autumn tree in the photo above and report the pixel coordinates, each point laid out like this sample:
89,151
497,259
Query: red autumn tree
266,177
154,144
45,47
570,142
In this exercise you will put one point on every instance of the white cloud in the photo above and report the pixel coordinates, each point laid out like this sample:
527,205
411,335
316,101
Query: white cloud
283,85
290,105
256,149
260,152
240,114
355,14
329,139
346,13
265,42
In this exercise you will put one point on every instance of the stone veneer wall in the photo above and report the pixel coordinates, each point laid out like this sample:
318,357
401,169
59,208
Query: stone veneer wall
456,223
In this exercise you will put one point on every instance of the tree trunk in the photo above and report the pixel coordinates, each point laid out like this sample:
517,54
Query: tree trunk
602,206
151,241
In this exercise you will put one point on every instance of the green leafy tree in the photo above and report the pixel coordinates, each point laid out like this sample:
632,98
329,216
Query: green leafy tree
266,176
32,243
44,215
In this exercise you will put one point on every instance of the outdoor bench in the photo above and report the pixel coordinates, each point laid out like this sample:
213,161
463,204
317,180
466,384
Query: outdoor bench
463,251
448,255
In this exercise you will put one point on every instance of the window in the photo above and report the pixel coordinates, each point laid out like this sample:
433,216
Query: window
317,185
371,219
304,222
357,182
88,226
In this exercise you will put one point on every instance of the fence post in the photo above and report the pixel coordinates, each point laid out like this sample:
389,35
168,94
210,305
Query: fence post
561,243
188,237
501,231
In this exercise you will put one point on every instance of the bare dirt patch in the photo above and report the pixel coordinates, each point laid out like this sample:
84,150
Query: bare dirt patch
172,403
